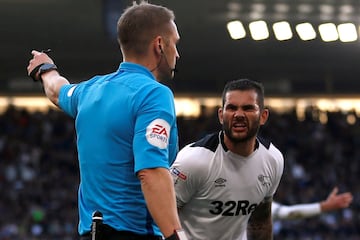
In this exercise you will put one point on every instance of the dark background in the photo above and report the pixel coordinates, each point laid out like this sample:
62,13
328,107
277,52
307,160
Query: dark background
80,33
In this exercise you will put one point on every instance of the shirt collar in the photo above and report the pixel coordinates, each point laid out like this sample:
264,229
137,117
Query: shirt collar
135,68
221,135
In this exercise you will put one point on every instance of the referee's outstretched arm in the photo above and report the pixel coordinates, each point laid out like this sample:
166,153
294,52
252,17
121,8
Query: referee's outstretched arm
50,78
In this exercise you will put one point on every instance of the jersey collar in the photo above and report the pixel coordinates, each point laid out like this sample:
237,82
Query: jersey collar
221,136
135,68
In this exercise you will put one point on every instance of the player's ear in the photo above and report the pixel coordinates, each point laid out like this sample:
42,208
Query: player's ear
220,115
264,116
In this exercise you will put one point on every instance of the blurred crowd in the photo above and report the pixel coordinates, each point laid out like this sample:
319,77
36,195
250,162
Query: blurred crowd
39,171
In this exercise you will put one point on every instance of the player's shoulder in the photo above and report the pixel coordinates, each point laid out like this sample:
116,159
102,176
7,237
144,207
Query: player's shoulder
209,142
199,153
270,149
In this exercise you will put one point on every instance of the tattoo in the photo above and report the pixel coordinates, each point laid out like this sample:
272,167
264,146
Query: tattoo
260,223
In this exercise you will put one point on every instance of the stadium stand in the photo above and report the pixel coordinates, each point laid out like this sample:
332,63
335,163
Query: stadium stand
39,171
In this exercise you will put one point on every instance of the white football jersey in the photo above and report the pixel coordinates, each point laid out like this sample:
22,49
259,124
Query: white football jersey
217,190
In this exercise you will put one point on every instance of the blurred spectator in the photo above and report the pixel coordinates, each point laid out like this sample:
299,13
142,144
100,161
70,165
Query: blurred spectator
34,153
38,148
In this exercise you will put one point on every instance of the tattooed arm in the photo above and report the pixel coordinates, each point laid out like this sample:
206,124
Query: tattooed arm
260,222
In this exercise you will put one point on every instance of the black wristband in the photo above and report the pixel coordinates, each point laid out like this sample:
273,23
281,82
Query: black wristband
42,68
46,67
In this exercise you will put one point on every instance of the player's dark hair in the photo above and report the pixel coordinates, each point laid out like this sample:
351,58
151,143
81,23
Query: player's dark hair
243,85
140,24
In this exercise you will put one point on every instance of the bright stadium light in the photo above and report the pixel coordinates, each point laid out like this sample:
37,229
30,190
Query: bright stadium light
305,31
186,107
347,32
328,32
259,30
282,31
236,30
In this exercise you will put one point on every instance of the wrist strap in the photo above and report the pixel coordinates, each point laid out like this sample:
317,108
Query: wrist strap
34,72
40,69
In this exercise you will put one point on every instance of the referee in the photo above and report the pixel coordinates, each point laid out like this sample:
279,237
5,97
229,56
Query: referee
126,130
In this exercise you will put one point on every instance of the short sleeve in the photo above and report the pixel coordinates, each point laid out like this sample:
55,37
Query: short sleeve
68,99
155,137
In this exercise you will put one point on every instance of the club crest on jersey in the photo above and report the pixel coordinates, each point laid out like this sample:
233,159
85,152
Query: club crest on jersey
265,180
178,173
220,182
157,133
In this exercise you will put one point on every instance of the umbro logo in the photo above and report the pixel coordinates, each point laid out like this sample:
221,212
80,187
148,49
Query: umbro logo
220,182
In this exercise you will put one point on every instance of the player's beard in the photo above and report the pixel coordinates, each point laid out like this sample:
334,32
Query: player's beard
251,133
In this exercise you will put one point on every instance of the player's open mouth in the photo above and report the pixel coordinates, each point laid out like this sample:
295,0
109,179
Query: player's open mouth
239,126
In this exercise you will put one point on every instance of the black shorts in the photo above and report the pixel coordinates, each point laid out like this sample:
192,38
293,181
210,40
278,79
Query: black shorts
108,233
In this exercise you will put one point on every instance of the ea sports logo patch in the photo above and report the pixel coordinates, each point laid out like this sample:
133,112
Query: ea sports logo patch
157,133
